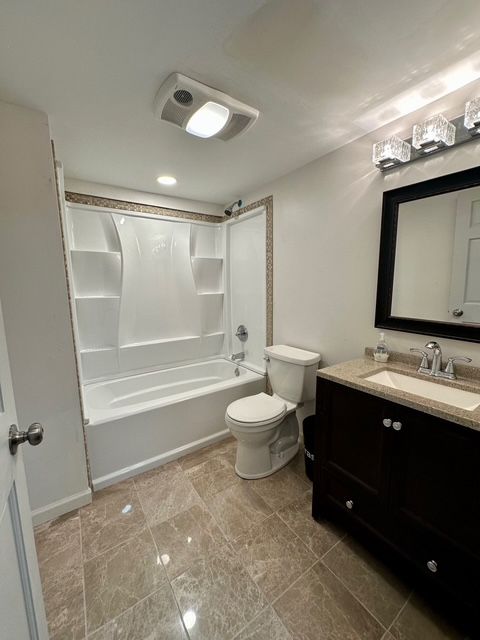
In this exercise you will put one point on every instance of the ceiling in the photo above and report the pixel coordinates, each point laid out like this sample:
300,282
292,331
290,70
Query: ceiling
321,72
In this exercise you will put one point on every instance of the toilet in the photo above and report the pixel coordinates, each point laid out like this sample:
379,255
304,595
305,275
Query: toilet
266,427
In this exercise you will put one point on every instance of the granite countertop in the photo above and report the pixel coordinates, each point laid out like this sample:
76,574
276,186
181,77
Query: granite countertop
353,374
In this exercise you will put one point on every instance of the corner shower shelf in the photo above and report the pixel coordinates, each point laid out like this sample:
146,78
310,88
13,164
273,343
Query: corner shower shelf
74,251
207,258
98,297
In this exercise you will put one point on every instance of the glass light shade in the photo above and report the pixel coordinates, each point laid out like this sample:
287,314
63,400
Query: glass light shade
472,115
434,133
208,120
169,181
390,152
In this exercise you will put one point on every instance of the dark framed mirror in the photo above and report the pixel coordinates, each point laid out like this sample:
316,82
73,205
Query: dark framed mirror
429,263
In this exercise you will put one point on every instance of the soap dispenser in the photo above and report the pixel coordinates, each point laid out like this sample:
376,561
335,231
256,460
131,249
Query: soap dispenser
381,353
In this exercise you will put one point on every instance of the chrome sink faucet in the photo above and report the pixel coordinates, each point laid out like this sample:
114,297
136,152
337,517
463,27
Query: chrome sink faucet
437,357
436,370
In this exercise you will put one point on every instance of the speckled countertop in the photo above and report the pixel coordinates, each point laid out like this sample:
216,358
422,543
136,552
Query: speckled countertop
353,374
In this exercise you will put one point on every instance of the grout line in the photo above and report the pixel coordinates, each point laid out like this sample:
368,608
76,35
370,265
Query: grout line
357,599
401,611
83,575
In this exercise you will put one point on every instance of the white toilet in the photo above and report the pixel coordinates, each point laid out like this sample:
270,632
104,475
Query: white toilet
266,427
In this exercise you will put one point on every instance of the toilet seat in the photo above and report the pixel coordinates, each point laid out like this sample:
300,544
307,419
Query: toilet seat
260,409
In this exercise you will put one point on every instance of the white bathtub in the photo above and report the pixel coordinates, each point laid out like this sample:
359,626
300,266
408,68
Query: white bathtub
142,421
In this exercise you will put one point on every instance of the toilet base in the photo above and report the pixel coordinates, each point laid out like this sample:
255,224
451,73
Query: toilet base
278,461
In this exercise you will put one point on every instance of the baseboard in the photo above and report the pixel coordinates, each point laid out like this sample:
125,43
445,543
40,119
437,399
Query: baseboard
151,463
56,509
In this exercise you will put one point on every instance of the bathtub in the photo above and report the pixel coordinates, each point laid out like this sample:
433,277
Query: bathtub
139,422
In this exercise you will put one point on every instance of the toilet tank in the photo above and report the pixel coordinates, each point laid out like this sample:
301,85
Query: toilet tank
291,372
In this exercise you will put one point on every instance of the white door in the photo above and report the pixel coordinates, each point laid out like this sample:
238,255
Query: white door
465,288
22,614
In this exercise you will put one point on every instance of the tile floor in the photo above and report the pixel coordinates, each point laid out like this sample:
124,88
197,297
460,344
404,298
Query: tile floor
189,550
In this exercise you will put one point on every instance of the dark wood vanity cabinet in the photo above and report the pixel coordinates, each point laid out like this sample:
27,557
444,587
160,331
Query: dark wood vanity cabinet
407,480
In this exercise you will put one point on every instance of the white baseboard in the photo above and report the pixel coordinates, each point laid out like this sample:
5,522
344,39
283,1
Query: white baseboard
56,509
151,463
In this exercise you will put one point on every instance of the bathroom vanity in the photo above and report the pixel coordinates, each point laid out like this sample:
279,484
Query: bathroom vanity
402,472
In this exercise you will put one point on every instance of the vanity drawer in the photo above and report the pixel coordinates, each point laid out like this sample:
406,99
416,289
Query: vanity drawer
446,566
353,501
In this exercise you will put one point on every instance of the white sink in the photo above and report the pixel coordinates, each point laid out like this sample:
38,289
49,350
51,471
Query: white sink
441,393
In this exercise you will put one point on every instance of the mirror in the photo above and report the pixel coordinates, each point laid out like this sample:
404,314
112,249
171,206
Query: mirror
429,268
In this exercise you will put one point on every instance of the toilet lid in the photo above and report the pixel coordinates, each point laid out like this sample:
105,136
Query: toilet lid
258,408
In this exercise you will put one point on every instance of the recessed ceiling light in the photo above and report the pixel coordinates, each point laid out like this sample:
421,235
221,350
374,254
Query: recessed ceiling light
168,181
208,120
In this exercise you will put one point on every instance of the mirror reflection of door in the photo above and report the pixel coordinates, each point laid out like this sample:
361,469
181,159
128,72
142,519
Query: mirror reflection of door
437,258
465,287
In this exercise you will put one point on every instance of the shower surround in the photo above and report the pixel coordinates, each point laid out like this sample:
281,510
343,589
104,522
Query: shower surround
156,304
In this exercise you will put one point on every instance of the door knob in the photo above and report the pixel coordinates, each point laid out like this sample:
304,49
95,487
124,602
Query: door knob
387,422
397,426
432,566
33,435
349,504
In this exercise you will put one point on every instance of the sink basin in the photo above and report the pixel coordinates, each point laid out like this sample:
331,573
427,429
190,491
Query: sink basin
441,393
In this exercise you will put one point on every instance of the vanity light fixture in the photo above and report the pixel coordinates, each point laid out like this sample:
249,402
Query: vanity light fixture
390,152
472,116
167,181
433,134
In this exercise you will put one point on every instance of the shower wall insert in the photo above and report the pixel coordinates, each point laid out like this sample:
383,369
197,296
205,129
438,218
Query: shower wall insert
156,296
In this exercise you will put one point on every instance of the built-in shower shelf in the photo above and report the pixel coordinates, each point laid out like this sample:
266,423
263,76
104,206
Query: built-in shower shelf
213,334
99,297
97,349
96,251
157,342
207,258
209,293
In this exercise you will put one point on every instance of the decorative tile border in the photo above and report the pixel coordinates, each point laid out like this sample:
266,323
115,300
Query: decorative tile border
96,201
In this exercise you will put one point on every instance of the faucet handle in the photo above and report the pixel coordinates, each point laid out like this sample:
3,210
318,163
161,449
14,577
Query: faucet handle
432,345
424,362
449,368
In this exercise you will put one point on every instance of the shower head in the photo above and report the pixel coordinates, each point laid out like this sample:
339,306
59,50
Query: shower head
229,209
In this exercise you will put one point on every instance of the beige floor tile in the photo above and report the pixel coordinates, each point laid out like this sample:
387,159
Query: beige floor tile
186,537
155,618
370,581
319,606
225,447
237,508
266,626
280,489
60,562
419,622
217,597
114,516
273,556
164,492
318,536
212,476
120,577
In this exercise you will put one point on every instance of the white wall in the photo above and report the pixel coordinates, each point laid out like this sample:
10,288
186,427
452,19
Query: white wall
142,197
36,313
326,221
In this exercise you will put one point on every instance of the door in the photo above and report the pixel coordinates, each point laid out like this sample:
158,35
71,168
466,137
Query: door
465,286
22,614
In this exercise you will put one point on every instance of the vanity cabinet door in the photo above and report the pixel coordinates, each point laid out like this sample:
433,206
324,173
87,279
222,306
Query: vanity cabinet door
354,448
435,488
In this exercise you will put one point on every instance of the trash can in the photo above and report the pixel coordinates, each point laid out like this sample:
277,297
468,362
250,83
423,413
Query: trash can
309,428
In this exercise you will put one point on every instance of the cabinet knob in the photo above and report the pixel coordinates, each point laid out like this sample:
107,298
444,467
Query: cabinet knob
432,566
349,504
397,426
387,422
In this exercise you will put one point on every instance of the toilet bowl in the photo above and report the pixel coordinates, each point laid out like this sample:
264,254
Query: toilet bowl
266,427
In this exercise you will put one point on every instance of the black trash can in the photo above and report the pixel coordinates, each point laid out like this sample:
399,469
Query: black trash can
309,428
